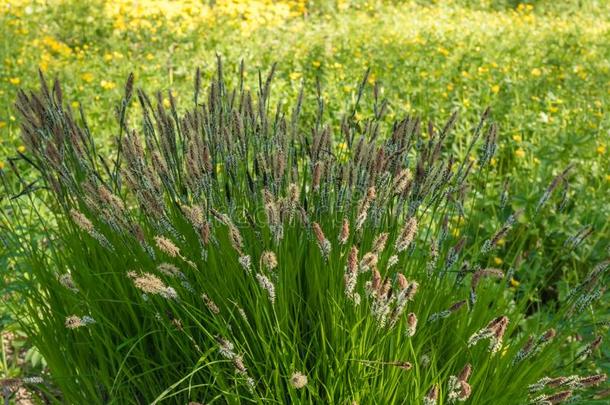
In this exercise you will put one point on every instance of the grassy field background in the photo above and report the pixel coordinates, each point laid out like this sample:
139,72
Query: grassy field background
542,66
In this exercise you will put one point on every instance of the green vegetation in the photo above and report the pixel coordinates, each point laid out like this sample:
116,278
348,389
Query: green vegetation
541,67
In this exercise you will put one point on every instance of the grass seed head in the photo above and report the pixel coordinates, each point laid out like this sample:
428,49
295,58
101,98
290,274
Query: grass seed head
298,380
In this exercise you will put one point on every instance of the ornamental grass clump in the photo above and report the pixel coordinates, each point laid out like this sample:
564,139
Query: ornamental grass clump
234,252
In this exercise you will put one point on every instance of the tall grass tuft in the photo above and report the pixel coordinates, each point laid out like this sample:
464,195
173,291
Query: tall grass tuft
237,252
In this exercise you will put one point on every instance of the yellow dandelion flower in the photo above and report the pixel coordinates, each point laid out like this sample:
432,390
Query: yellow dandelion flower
295,76
21,149
601,149
517,138
498,261
520,153
149,56
88,77
514,283
75,104
14,80
450,87
166,103
495,89
316,63
536,72
107,85
443,51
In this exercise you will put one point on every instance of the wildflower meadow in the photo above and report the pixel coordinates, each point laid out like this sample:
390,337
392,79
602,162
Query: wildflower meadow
304,202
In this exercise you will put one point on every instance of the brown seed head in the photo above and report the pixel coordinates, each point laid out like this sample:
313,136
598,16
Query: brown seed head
268,260
167,246
465,373
81,221
379,243
344,235
402,281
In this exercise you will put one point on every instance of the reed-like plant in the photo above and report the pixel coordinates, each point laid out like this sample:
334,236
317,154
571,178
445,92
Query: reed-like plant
238,252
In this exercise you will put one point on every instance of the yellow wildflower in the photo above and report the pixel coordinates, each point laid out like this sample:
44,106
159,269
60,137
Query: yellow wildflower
21,149
514,283
2,124
88,77
150,56
166,103
14,80
495,89
1,165
443,51
107,85
295,76
536,72
520,153
601,149
498,261
517,138
316,63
